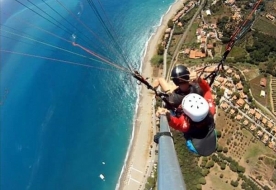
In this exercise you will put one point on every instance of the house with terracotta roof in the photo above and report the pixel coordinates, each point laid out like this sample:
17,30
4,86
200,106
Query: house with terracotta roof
166,36
221,79
265,138
269,124
195,54
168,31
237,76
243,95
239,86
253,127
245,122
232,111
224,105
252,111
260,133
229,71
246,107
239,117
258,115
264,120
274,129
263,82
240,102
179,24
229,84
216,84
234,97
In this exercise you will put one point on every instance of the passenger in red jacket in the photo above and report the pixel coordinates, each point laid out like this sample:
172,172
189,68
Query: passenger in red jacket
197,121
182,123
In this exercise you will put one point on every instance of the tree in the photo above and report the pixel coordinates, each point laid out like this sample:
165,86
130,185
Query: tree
234,183
157,60
225,149
233,167
202,181
241,169
219,148
198,187
170,24
215,158
205,172
160,50
203,163
222,166
218,134
210,164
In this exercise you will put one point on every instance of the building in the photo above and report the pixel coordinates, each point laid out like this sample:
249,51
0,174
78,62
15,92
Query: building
258,116
208,12
224,105
252,127
262,94
252,111
264,120
239,86
263,82
245,122
239,117
240,102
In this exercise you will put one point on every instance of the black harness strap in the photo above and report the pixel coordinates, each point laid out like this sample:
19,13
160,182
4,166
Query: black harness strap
160,134
161,95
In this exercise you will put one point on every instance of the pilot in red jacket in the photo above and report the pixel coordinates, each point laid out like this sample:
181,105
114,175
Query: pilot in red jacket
197,121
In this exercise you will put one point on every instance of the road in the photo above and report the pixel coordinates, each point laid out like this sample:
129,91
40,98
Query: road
184,35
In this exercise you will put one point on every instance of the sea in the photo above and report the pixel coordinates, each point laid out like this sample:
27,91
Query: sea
68,101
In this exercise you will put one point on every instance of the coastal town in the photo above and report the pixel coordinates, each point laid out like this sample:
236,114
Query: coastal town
245,95
195,34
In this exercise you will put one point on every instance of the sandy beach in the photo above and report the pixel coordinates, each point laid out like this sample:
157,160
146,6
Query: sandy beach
142,152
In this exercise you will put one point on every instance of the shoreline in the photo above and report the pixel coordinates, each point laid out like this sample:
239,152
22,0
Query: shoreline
141,155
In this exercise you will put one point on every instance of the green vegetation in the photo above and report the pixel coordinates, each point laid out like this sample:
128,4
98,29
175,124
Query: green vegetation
265,26
192,173
263,48
157,60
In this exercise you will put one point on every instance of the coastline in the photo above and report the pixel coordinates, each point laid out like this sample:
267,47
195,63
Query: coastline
141,152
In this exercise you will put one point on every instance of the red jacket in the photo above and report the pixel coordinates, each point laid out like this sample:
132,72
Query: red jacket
182,123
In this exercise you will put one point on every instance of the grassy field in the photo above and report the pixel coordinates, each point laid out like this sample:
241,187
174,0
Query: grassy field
238,52
214,182
250,71
264,25
244,148
191,35
256,90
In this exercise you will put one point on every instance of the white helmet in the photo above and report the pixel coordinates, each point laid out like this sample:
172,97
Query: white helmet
195,107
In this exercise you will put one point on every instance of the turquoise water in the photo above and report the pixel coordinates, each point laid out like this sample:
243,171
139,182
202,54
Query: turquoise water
62,125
